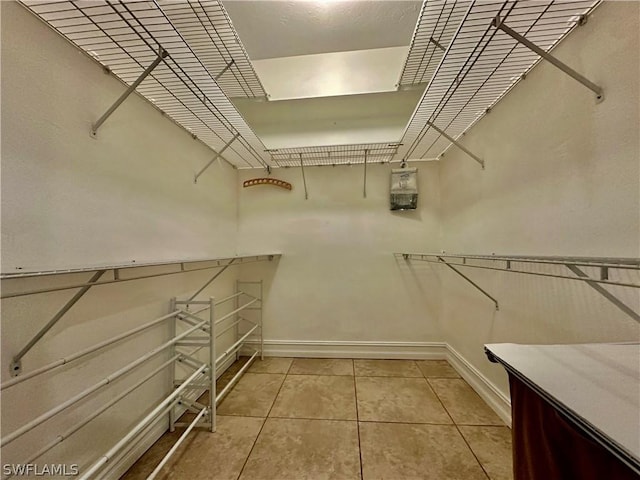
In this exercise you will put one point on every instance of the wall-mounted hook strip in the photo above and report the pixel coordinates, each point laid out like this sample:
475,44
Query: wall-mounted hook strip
267,181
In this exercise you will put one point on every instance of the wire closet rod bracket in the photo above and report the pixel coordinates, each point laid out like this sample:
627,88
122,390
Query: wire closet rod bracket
16,364
602,264
162,54
216,156
500,25
605,293
456,143
478,287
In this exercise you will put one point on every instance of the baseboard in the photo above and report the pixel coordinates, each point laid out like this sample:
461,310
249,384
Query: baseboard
123,462
498,402
351,349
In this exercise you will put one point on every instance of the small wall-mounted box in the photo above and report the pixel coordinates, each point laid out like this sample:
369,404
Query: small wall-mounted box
404,188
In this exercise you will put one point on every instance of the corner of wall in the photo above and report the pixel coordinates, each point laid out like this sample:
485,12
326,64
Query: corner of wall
498,402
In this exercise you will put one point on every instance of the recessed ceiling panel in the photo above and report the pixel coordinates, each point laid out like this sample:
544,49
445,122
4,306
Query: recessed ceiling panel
332,74
272,29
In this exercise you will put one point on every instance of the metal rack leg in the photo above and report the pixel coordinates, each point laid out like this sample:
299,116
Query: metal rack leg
236,330
261,326
212,370
172,368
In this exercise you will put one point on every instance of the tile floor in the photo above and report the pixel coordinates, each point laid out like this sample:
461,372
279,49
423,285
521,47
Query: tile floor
293,419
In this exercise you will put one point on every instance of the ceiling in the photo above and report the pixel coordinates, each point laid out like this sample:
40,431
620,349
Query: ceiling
348,119
334,67
351,81
274,29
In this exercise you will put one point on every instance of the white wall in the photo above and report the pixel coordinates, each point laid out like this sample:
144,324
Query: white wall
338,280
69,200
562,178
343,120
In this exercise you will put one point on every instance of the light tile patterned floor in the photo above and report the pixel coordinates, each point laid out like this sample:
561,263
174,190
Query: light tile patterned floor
316,419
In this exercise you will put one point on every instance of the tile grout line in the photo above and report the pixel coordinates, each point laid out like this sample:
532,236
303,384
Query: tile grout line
459,431
355,391
246,460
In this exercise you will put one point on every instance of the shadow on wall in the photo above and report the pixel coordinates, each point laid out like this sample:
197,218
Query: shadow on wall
415,215
415,281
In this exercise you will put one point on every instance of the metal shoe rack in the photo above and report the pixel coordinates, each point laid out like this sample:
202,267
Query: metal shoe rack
192,348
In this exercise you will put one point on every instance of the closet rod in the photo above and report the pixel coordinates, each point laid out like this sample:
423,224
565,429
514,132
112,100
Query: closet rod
259,258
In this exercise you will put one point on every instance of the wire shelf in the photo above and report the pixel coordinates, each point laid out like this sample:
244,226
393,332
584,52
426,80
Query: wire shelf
126,37
207,28
334,154
437,24
468,64
480,65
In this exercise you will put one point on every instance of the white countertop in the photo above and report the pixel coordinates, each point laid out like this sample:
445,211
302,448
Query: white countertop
597,384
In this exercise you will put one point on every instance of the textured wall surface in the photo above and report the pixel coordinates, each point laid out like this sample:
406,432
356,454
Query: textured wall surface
562,178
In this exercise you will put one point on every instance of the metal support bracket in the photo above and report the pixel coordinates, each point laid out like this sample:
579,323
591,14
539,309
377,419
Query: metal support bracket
162,54
227,67
499,24
218,154
470,281
16,364
366,153
605,293
304,180
456,143
436,43
217,274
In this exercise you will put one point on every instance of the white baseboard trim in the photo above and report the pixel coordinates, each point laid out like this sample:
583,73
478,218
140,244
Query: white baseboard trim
123,462
498,402
352,349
